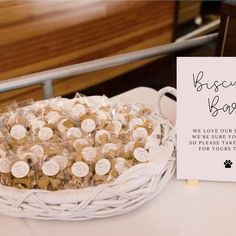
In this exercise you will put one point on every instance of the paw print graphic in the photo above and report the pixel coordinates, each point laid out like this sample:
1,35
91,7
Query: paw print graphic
228,163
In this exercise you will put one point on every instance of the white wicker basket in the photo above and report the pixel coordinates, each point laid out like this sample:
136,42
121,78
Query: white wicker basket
133,188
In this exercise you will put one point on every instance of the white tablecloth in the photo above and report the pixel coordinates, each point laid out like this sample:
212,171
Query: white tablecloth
206,209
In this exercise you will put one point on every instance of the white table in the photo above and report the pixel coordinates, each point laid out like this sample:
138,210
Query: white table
206,209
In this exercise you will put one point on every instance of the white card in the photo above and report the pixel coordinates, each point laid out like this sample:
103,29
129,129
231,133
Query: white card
206,118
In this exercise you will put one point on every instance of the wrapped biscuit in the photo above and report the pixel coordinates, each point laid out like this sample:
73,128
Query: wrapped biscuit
102,137
74,143
89,154
80,143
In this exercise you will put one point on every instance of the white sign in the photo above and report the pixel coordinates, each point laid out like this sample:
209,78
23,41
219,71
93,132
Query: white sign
206,118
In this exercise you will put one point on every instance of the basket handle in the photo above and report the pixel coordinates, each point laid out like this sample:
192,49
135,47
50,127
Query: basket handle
161,93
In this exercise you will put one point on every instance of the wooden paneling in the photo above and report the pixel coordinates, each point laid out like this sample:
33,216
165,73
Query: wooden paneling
39,35
188,10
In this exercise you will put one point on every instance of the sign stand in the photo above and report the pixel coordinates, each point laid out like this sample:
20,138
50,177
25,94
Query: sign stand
192,182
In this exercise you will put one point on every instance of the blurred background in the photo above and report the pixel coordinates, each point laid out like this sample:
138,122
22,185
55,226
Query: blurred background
39,35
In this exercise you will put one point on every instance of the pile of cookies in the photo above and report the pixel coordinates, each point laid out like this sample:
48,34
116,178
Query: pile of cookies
73,143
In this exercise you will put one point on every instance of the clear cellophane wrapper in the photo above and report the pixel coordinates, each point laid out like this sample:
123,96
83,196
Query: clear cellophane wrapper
75,143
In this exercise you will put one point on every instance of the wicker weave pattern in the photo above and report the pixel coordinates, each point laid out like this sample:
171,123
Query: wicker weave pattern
133,188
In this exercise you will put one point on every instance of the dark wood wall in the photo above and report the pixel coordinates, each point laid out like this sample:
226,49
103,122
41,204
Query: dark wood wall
39,35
